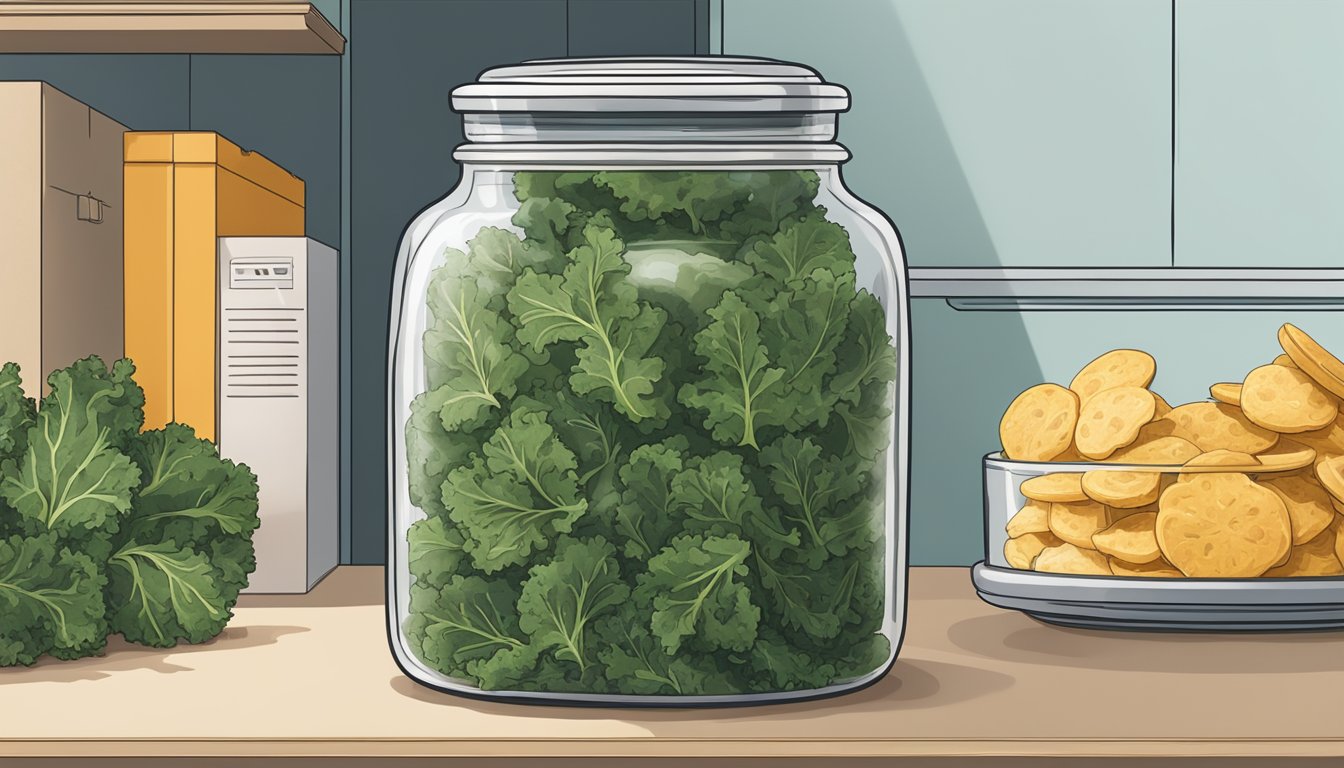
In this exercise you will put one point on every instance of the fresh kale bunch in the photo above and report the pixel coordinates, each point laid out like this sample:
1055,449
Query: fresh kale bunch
107,529
647,452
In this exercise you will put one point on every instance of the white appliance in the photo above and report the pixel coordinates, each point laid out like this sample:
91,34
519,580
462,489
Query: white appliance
278,406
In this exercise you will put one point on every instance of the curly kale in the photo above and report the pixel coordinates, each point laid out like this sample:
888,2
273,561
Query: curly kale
110,530
647,448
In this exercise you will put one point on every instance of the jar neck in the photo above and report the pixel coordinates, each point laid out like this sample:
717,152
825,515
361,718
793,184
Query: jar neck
651,155
645,128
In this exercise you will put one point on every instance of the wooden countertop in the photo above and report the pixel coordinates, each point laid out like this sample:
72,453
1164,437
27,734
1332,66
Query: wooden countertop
312,676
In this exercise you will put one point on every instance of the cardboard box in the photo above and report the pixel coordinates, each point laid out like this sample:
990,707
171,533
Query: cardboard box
184,190
60,231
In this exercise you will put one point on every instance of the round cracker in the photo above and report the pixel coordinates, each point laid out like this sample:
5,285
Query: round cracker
1076,521
1162,451
1222,525
1117,368
1226,392
1218,425
1066,558
1287,454
1021,551
1313,558
1309,508
1339,541
1111,419
1159,568
1056,486
1039,423
1326,440
1314,360
1132,539
1163,407
1031,518
1125,490
1330,472
1286,400
1221,457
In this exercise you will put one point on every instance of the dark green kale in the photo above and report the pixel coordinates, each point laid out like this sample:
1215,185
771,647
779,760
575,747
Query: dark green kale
648,447
108,529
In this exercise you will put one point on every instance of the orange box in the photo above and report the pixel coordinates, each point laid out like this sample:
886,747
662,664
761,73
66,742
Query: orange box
183,191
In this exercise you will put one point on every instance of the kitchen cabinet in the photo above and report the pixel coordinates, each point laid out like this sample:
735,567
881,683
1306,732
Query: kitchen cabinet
1024,133
1259,163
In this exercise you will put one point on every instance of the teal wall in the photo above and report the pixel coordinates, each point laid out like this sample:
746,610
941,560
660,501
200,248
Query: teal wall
996,132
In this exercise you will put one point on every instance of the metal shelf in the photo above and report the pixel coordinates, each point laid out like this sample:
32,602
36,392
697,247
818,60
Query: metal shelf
58,26
1173,288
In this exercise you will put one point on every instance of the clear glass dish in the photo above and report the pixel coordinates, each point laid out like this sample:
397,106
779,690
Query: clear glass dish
1094,549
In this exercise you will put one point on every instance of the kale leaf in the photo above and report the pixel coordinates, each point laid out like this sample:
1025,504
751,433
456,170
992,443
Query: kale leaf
589,302
518,496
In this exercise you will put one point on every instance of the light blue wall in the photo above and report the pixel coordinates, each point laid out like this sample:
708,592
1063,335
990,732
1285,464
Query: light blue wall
1260,133
995,132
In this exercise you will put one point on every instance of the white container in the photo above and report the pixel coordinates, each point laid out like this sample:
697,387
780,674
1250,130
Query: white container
648,395
279,411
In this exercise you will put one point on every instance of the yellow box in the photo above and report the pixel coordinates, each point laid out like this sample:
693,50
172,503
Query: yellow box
183,191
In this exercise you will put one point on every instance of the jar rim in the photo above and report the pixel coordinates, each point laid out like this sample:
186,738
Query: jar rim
658,84
652,155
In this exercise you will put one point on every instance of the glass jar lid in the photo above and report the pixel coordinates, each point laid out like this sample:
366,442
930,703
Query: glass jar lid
705,84
706,110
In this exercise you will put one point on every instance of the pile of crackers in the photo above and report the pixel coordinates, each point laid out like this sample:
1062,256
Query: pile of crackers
1248,484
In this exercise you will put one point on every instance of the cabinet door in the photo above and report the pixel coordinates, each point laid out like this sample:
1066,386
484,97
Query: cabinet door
1259,121
1023,133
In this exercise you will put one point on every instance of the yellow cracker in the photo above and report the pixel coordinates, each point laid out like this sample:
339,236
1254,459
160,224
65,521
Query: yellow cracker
1339,541
1039,423
1314,360
1031,518
1075,522
1286,455
1111,419
1330,473
1021,551
1164,451
1309,509
1125,490
1159,568
1163,407
1132,539
1313,558
1326,440
1285,361
1226,392
1286,400
1218,425
1117,368
1066,558
1221,457
1056,486
1222,525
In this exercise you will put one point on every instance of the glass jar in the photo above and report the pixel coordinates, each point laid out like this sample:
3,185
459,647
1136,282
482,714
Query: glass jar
648,395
